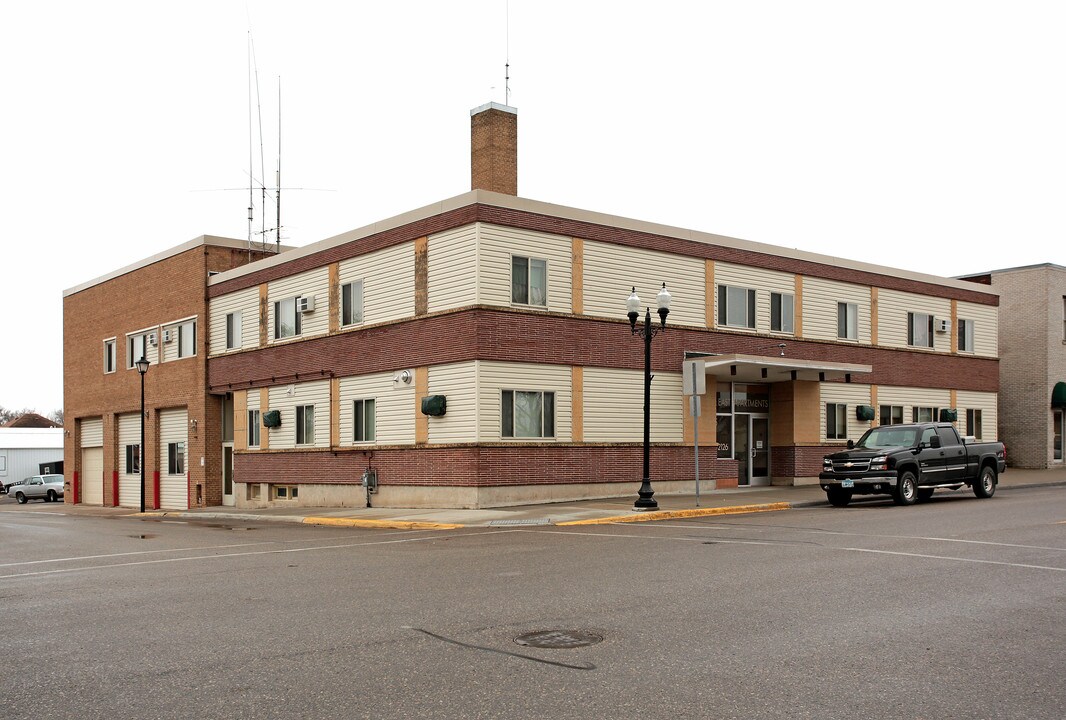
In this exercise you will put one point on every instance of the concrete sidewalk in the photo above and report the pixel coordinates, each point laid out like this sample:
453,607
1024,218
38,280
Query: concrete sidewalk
612,510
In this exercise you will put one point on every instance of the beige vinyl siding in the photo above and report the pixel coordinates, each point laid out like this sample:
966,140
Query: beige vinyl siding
245,302
452,275
985,402
762,281
388,277
892,309
173,489
612,271
985,327
849,394
820,298
313,283
129,485
458,383
92,432
394,408
614,406
496,246
253,399
285,398
495,377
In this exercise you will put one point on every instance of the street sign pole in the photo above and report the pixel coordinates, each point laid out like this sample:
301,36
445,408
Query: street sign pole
694,384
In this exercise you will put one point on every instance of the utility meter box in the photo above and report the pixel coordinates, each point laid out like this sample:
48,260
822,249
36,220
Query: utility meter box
435,405
370,480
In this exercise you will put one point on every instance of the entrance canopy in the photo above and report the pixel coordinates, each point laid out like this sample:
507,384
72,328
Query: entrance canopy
774,368
1058,395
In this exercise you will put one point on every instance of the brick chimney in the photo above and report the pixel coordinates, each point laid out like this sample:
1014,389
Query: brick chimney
494,149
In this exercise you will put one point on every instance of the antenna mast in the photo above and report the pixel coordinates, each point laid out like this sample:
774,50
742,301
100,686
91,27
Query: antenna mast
277,231
507,60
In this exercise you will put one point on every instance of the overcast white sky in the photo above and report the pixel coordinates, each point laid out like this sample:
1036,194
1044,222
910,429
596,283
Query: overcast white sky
922,135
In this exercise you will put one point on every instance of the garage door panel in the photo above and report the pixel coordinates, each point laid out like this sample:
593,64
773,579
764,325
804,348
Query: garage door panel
92,476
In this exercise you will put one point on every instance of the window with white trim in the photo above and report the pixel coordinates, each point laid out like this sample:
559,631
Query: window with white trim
966,335
133,459
287,318
286,492
974,423
836,421
919,330
782,312
352,303
233,330
528,414
529,281
736,307
925,414
305,424
891,414
186,339
176,458
363,411
109,356
136,348
253,428
847,321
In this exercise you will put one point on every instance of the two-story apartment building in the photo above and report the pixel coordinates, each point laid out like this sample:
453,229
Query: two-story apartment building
477,352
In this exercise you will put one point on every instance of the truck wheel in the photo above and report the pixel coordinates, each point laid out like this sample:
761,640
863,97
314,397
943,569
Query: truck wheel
906,490
985,487
838,497
924,494
21,498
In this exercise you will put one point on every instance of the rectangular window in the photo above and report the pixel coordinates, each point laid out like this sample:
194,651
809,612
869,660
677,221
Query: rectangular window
736,307
925,414
529,281
133,459
364,420
528,414
966,336
176,458
891,414
836,421
136,348
286,492
109,356
919,330
847,321
253,428
305,424
352,303
286,318
233,330
973,423
187,339
782,315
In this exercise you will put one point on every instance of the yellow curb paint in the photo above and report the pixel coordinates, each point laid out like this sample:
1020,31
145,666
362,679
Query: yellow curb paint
381,524
694,512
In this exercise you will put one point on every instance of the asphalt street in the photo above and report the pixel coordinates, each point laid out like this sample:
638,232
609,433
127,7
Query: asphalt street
948,609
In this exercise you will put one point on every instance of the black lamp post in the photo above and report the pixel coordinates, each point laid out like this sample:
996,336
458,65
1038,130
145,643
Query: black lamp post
142,368
646,501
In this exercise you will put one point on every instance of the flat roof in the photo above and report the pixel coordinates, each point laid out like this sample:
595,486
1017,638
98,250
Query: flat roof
1019,268
31,438
511,202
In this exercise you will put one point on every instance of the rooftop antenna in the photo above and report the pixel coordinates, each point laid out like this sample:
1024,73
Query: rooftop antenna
507,59
277,230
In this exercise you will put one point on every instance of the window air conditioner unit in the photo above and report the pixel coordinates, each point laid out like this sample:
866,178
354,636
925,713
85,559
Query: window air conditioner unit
307,304
152,339
167,337
941,325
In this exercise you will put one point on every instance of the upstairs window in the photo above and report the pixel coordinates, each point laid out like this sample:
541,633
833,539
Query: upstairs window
836,421
528,414
109,356
966,336
305,424
233,330
253,428
891,414
529,281
736,307
847,321
136,348
782,313
352,303
187,339
919,330
286,318
364,420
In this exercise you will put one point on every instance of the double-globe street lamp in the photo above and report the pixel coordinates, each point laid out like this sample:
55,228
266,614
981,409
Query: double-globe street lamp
142,368
646,501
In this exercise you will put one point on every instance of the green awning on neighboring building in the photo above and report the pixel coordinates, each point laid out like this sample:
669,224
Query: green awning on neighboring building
1058,395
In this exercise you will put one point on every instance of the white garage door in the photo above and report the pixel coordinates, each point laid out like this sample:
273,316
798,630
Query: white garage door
92,461
173,459
129,483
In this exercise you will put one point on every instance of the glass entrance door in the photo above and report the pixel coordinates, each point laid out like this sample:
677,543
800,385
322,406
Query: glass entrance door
752,442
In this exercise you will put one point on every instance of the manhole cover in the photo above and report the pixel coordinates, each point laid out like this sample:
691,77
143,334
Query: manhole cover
559,639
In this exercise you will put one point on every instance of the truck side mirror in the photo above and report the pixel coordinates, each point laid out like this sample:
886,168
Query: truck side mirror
934,442
851,444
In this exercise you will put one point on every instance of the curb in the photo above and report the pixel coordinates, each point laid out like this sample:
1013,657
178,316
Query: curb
693,512
381,524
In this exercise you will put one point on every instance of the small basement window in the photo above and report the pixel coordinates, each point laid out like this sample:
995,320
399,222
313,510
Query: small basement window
286,492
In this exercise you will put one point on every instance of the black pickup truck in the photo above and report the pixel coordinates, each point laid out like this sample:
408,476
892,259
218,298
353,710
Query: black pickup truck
909,462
